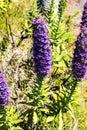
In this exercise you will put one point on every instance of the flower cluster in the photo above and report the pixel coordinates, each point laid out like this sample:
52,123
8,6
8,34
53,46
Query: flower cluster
79,62
41,47
84,16
4,92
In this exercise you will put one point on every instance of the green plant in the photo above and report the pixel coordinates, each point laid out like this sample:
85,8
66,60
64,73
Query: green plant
38,98
9,118
44,109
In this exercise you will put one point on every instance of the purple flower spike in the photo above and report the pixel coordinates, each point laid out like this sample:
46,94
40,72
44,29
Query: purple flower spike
79,62
4,92
41,47
84,15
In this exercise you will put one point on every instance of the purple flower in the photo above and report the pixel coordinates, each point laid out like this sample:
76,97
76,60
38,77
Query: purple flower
41,47
84,16
4,92
79,62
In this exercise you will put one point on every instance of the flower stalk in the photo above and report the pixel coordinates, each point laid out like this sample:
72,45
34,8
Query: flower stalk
41,47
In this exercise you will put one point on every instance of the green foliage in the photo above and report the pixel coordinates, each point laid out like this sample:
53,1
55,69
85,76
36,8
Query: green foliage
40,5
62,4
47,101
9,118
30,14
3,6
37,105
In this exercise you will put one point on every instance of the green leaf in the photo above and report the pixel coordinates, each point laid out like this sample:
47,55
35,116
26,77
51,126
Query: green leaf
54,96
35,118
44,109
29,103
50,118
26,112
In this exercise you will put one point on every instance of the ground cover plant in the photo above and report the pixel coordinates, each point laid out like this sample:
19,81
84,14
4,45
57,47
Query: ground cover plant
43,66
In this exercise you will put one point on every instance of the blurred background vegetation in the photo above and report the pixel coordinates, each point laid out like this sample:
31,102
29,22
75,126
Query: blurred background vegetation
62,102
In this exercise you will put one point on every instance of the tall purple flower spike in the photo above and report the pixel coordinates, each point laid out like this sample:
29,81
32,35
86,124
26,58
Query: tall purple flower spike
79,62
4,91
41,47
84,16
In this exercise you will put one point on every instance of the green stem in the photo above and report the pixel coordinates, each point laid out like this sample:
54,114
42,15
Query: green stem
60,120
81,96
39,81
3,114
